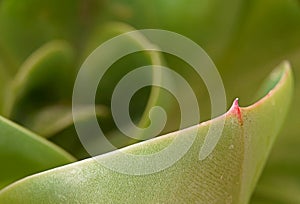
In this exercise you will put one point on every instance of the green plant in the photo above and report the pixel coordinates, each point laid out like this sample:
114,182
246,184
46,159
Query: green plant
49,46
228,175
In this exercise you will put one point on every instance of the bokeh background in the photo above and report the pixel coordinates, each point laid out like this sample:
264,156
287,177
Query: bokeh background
43,44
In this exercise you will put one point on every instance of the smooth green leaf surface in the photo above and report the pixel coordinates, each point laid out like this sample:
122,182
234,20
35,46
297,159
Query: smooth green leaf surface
22,153
227,175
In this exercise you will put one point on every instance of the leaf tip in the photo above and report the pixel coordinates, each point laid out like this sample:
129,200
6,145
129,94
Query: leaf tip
236,110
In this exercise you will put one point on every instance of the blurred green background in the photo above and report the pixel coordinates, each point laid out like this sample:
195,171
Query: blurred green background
43,44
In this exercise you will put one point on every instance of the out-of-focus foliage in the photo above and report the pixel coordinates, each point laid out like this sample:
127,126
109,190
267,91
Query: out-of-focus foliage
43,43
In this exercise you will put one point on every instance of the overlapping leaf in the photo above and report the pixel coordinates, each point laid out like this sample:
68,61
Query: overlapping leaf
22,153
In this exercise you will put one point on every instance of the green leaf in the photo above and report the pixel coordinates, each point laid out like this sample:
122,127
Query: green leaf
228,174
33,86
268,34
147,97
22,153
265,119
280,181
56,123
55,119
